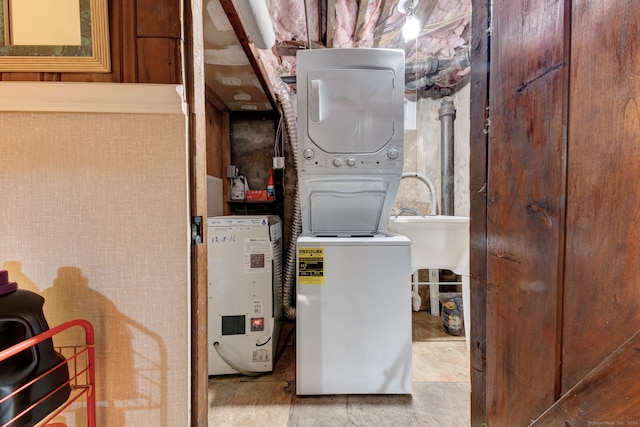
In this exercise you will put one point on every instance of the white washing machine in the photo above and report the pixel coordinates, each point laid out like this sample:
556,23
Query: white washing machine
353,306
353,315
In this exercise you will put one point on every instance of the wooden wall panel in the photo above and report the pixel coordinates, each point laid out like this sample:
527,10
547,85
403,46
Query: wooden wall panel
563,223
214,143
158,18
218,150
128,46
524,208
195,97
602,292
158,60
478,195
17,77
218,143
145,37
608,396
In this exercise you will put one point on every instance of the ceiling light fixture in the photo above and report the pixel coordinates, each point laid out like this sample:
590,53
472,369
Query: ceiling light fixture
411,27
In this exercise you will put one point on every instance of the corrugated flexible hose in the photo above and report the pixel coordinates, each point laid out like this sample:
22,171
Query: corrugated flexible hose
288,287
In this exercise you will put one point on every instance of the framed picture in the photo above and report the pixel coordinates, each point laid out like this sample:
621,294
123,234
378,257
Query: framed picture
54,36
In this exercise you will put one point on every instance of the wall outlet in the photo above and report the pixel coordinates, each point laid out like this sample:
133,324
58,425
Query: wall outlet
278,162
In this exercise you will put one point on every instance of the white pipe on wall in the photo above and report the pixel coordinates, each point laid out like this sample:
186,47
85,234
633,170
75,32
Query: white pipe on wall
257,21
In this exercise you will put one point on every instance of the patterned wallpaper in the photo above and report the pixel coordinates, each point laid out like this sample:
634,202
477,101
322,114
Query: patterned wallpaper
95,219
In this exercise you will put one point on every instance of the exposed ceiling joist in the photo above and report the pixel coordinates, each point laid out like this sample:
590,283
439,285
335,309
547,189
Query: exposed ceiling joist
385,6
319,21
249,50
331,21
363,5
245,77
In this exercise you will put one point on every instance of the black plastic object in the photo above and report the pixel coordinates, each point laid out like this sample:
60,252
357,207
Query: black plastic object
21,317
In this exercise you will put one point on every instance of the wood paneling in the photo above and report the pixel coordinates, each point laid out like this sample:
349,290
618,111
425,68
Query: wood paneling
603,196
214,143
478,194
217,136
158,18
128,43
218,143
158,60
562,242
608,396
32,77
525,191
145,46
195,97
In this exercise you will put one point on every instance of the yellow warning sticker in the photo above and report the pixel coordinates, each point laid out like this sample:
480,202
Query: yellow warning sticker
311,266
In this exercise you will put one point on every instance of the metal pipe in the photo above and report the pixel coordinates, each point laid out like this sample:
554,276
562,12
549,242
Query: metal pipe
428,65
446,114
428,71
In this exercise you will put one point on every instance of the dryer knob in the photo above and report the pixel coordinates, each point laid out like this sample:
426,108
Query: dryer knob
393,153
337,162
351,161
308,154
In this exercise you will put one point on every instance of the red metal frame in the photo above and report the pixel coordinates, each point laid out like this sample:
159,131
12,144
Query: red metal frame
81,380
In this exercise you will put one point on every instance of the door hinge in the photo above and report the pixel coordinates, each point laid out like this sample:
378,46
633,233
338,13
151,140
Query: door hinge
196,230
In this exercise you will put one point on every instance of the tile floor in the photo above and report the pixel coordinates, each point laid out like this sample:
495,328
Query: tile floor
441,390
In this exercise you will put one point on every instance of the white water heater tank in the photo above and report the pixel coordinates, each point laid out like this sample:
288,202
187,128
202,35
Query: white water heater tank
244,292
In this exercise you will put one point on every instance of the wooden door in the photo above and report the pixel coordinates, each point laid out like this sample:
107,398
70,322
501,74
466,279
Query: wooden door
555,212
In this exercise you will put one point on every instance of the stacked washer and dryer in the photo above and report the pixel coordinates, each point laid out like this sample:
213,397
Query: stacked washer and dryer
353,287
353,314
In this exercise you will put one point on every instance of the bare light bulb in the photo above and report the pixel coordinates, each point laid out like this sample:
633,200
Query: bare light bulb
411,28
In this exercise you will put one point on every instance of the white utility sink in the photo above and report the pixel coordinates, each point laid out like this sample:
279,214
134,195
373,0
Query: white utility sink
438,242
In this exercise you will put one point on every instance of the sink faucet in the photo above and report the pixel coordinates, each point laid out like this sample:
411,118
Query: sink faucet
432,190
413,211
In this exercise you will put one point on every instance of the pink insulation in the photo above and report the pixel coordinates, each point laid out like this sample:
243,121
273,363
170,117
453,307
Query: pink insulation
444,29
289,19
441,36
345,23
